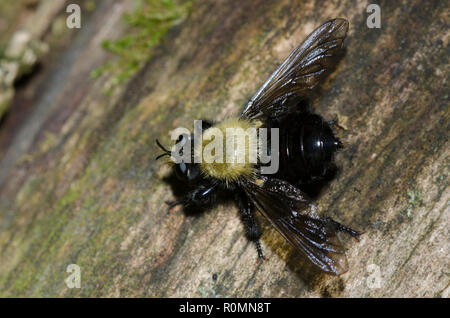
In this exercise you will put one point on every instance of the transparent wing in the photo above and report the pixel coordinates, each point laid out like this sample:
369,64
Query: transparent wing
300,72
291,212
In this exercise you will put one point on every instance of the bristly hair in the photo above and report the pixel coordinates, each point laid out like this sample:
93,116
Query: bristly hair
230,172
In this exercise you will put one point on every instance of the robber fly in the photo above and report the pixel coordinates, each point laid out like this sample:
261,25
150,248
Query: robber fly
306,148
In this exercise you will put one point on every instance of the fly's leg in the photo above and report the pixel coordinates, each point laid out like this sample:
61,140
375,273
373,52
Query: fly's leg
203,196
252,228
342,228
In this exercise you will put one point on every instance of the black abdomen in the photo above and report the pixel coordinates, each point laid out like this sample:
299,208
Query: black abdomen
306,147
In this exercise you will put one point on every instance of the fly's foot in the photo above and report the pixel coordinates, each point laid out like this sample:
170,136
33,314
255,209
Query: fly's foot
342,228
261,256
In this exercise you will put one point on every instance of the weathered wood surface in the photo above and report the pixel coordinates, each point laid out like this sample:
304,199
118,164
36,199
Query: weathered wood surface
80,184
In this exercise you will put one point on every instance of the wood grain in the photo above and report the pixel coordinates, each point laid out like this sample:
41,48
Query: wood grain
87,191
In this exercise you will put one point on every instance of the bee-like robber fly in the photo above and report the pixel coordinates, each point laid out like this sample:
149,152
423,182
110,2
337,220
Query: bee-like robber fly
306,148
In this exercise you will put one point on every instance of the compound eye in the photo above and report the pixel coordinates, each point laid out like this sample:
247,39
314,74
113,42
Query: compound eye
193,173
183,168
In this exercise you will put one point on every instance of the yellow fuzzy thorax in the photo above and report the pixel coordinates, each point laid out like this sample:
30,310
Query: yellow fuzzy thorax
239,161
